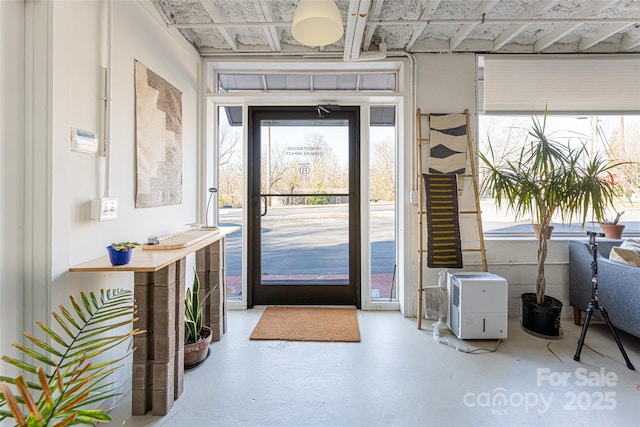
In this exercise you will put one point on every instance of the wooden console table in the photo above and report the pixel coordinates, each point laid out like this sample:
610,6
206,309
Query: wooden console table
159,287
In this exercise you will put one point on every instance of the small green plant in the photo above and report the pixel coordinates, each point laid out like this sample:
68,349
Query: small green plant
124,246
614,220
65,395
193,310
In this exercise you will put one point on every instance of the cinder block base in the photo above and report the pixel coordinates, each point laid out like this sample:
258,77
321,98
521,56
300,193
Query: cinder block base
162,401
141,401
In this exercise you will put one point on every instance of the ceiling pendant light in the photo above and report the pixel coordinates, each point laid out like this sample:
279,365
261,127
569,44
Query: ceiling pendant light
317,23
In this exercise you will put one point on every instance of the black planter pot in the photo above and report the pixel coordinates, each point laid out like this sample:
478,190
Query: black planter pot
541,319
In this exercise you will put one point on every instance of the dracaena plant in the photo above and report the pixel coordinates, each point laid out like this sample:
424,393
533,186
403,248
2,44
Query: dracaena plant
67,385
193,310
547,178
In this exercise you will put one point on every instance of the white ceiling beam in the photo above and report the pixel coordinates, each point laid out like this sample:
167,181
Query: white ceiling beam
356,22
629,43
350,30
466,29
513,30
603,33
371,27
430,7
593,8
264,12
216,16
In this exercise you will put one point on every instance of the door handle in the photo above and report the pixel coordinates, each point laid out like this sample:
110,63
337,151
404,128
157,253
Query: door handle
265,205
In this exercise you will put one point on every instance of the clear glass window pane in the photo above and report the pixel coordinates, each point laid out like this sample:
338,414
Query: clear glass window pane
230,193
383,205
615,136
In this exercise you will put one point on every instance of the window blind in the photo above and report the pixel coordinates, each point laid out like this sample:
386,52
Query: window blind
576,84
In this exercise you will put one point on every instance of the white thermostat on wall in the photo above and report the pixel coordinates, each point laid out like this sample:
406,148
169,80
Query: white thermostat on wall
84,141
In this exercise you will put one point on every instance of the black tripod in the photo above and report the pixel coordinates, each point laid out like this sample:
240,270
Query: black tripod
593,305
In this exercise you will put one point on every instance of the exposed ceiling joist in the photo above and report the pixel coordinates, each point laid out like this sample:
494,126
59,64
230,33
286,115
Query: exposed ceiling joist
497,26
216,16
466,29
429,9
271,32
374,15
356,23
604,33
514,29
629,43
563,29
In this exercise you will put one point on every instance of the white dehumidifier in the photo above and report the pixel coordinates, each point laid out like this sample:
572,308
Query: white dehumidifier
477,305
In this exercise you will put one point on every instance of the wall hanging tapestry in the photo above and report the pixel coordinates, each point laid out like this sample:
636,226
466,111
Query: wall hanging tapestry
448,135
158,140
444,248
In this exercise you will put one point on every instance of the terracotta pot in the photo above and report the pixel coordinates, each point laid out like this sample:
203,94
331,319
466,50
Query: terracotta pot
536,230
195,353
612,231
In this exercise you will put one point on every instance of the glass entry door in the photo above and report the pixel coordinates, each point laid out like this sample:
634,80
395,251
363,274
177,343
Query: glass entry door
304,228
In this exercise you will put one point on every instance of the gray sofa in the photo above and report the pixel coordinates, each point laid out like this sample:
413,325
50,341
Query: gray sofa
618,285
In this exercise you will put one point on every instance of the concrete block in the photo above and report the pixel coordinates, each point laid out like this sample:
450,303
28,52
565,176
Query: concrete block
143,278
141,376
178,380
178,386
141,401
180,334
144,322
164,298
143,295
165,276
164,348
163,374
162,401
214,278
201,260
164,322
181,270
178,362
143,348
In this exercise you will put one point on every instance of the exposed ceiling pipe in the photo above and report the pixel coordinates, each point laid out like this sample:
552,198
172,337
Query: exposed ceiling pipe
439,21
106,119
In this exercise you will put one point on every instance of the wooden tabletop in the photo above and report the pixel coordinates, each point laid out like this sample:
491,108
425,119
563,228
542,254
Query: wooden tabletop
152,260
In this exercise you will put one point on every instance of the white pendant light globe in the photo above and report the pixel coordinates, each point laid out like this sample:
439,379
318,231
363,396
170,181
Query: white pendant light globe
317,23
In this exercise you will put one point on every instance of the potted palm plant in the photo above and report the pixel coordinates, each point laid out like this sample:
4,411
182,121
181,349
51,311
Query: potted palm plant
197,337
548,179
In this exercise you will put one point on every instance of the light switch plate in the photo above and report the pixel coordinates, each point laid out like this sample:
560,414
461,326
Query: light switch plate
104,209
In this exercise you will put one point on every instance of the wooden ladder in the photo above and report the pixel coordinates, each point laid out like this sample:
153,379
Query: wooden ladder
425,140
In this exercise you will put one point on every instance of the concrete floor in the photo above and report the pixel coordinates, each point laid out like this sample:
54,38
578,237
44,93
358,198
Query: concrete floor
399,376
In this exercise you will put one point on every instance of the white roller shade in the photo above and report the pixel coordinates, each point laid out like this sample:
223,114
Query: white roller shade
578,84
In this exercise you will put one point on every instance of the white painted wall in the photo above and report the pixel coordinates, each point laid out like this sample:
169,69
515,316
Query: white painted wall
45,186
446,84
78,178
11,171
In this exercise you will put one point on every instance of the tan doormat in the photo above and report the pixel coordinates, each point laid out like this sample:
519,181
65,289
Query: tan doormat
308,324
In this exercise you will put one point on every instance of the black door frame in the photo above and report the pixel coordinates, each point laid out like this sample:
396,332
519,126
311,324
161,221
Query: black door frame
292,294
